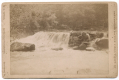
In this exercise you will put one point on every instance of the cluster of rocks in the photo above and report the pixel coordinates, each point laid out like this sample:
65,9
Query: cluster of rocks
83,41
78,41
99,45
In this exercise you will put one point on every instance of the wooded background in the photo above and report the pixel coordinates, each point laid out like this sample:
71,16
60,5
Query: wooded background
26,19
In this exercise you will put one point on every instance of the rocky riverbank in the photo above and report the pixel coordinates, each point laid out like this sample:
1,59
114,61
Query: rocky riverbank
76,40
82,40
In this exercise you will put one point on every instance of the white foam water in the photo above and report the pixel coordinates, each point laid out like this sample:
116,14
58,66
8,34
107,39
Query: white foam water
48,39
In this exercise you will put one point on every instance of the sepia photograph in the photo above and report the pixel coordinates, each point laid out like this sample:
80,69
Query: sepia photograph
59,39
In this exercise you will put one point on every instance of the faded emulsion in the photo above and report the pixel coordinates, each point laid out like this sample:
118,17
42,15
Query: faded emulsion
59,39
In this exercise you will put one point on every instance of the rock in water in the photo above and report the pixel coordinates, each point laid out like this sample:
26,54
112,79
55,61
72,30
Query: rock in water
76,48
90,49
18,46
57,48
102,43
83,46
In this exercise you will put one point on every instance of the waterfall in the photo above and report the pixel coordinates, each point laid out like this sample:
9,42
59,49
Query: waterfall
48,39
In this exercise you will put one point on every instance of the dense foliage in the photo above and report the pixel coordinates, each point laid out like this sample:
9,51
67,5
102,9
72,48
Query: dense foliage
34,17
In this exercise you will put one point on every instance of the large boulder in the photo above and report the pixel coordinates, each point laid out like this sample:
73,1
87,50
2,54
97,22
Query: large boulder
18,46
102,43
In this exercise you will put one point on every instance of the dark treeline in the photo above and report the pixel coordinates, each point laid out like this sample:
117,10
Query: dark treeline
29,18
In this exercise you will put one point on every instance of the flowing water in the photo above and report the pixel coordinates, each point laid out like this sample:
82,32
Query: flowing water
48,39
45,60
